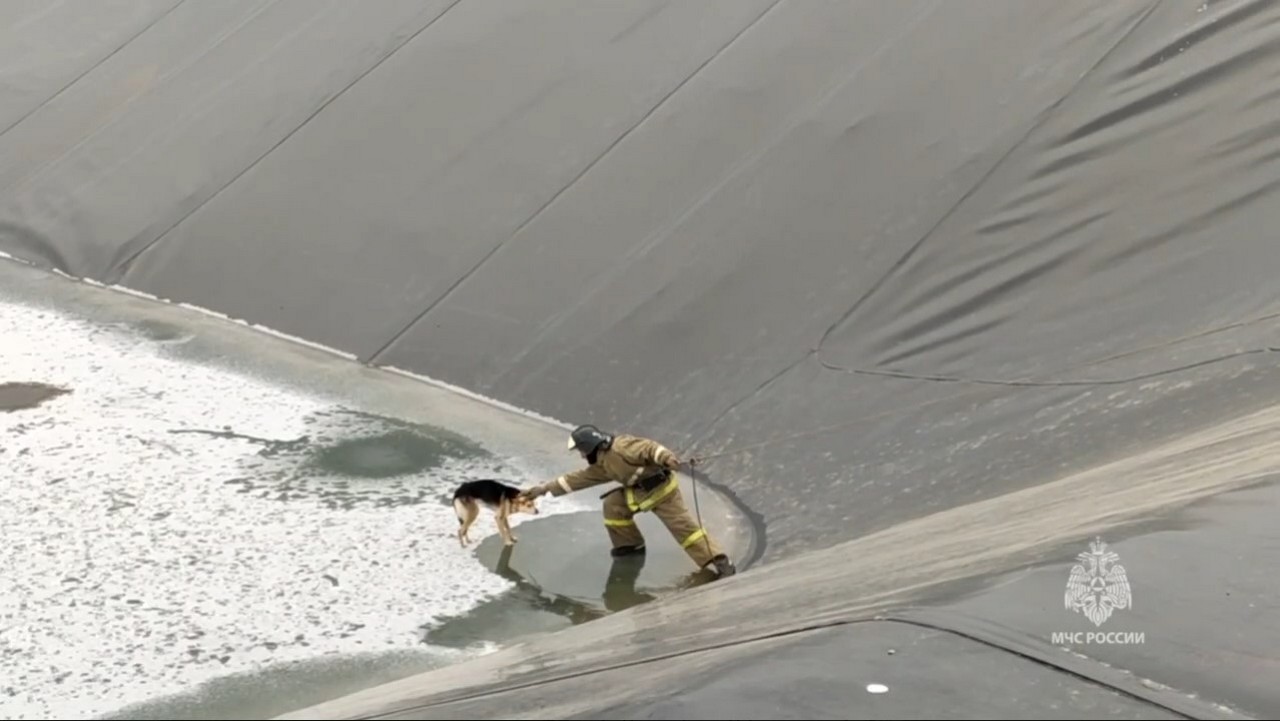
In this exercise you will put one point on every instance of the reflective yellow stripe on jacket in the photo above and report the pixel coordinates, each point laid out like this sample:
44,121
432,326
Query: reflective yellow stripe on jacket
653,499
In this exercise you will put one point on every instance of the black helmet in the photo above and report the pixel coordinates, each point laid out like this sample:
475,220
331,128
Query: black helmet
587,439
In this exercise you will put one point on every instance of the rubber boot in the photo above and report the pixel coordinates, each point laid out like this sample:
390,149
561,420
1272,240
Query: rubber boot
724,567
620,551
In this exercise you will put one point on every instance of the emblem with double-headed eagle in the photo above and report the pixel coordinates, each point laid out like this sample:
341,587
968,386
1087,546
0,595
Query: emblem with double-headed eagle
1098,584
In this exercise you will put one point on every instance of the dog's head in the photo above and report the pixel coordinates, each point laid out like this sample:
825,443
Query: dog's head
524,504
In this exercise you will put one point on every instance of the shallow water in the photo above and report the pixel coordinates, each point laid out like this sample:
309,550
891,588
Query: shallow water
211,521
168,523
20,396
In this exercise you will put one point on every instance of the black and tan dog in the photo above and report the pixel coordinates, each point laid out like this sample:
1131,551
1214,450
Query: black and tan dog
498,497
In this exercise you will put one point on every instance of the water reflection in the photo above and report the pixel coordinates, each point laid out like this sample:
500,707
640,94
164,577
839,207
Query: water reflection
562,577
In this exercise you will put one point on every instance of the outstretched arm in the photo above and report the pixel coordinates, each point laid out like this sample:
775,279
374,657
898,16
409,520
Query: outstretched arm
570,482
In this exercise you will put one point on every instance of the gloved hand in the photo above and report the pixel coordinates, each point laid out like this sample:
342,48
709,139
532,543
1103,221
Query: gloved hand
673,462
535,492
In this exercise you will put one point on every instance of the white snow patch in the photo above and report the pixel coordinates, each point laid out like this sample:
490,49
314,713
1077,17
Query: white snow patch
140,562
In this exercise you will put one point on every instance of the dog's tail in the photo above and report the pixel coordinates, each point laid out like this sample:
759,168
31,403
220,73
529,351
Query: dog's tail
459,511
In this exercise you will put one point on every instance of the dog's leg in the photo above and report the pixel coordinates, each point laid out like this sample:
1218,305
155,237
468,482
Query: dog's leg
467,512
459,511
500,517
506,521
472,514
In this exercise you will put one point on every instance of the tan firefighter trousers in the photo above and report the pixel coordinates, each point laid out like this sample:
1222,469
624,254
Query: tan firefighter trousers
667,503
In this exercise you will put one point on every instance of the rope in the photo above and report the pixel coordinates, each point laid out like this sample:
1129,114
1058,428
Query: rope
693,474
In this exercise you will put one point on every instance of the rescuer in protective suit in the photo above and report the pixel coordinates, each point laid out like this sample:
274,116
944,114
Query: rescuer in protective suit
646,471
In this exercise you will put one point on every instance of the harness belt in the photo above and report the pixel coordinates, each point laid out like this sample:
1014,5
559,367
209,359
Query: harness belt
646,484
667,484
649,483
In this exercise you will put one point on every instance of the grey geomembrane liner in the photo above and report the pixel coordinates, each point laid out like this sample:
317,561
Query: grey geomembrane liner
874,260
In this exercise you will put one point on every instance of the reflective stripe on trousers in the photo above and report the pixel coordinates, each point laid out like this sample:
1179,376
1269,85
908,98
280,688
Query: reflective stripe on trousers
693,538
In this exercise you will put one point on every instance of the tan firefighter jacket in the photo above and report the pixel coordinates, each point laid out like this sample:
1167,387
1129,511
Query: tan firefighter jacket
626,461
